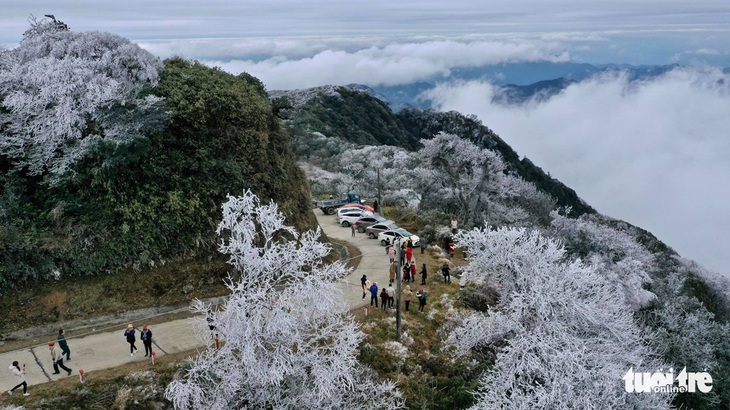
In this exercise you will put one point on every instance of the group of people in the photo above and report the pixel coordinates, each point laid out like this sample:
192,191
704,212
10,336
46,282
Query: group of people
145,335
59,350
387,294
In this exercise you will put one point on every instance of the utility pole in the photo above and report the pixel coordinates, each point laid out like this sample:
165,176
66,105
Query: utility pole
380,200
398,291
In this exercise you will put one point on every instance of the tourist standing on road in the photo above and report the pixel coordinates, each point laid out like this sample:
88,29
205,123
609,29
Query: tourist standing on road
374,294
391,296
421,295
129,334
407,296
446,271
57,356
364,284
352,228
146,337
454,224
19,377
452,249
392,273
409,253
423,245
413,271
384,299
407,267
64,345
424,273
391,254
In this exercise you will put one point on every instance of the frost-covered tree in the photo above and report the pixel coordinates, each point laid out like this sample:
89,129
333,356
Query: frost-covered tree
472,179
563,335
395,166
288,340
613,251
64,90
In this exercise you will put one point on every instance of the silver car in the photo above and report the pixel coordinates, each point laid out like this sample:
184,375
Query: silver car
366,221
375,229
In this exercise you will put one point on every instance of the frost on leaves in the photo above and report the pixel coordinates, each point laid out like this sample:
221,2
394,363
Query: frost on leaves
564,336
64,90
288,340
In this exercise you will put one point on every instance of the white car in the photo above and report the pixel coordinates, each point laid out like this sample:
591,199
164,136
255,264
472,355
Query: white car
347,209
347,218
393,236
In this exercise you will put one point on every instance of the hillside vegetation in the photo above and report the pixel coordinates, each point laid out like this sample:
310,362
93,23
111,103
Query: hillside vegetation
359,118
129,181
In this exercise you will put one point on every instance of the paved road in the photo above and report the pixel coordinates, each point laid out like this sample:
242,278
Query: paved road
106,348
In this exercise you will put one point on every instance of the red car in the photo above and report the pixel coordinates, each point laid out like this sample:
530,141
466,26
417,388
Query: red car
361,206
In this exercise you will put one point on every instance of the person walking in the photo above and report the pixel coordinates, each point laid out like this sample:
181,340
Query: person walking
454,224
409,253
364,284
57,356
423,245
452,249
446,271
19,377
131,339
413,271
391,274
407,296
391,254
146,337
384,299
391,296
421,295
424,274
352,228
64,345
374,294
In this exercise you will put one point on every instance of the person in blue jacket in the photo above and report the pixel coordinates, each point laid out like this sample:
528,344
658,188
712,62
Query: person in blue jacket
374,294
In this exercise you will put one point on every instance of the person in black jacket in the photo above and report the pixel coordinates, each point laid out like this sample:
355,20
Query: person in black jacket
131,339
146,337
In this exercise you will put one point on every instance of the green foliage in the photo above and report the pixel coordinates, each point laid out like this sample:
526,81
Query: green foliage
157,197
354,116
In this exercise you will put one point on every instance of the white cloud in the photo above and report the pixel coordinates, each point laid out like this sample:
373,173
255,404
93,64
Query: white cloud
655,154
393,64
706,52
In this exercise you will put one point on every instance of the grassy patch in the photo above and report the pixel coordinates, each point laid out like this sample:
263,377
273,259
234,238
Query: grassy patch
79,298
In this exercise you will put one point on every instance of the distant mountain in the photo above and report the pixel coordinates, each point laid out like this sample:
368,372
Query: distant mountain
519,82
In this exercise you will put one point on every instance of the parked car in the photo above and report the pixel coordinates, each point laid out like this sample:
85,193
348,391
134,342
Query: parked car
361,206
347,218
347,209
374,230
390,237
362,223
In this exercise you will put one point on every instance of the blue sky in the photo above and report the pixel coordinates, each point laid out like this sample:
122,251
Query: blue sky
653,154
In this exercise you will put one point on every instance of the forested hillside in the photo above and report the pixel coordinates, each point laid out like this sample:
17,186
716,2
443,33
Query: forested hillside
110,158
358,117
